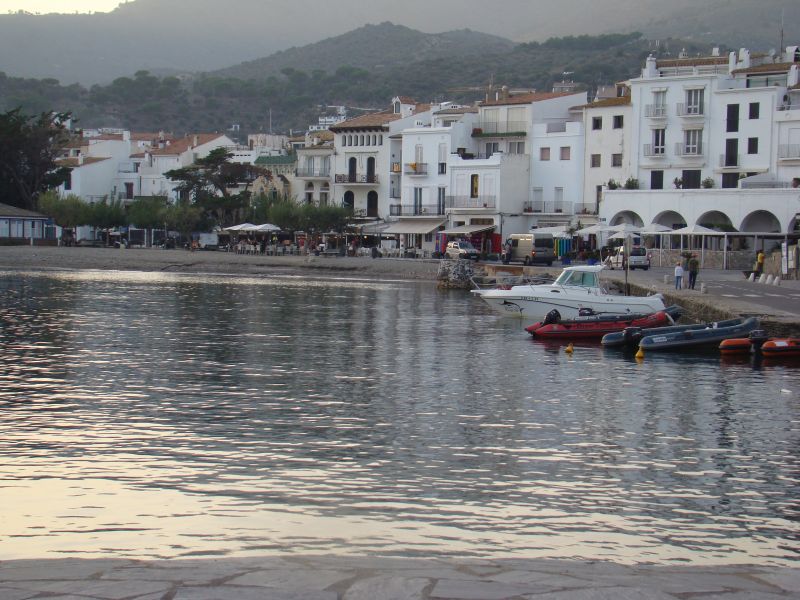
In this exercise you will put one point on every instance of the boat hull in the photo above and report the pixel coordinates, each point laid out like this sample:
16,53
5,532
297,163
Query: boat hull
630,337
534,303
595,327
709,336
781,348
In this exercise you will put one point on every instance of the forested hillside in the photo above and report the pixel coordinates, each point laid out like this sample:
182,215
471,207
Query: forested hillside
293,97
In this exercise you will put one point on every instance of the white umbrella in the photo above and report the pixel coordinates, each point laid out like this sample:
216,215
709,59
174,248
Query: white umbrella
593,229
267,227
655,228
625,228
241,227
624,235
696,230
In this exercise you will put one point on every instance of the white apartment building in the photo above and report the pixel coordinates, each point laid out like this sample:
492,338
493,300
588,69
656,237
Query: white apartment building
557,150
608,152
364,152
729,123
313,173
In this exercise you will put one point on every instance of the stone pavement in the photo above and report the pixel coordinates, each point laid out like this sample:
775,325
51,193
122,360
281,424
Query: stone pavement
354,578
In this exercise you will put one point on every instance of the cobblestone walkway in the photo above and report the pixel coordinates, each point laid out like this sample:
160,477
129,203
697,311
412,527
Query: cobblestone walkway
342,578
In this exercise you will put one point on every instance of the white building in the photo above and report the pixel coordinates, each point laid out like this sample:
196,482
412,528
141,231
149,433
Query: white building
313,173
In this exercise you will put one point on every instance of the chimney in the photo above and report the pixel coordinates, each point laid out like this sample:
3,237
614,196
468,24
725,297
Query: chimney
731,62
504,92
194,141
715,51
650,68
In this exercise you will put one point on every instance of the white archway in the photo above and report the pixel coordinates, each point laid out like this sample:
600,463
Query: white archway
761,221
627,216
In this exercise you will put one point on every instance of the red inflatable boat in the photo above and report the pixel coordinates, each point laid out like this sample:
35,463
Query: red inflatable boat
781,347
596,326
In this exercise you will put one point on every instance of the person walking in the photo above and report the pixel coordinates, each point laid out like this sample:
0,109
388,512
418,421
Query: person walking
694,269
678,275
760,262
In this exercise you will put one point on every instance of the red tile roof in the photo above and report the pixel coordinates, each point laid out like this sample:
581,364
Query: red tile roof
182,145
75,163
528,98
768,68
616,101
370,121
406,100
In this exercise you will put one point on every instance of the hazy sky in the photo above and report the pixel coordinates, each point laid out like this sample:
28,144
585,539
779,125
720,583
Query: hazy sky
60,6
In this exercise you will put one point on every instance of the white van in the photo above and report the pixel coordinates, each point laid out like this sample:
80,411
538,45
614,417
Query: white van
531,248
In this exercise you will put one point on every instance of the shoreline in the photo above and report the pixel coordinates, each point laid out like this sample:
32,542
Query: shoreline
20,258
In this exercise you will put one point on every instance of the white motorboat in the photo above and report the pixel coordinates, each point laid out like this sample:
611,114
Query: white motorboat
575,289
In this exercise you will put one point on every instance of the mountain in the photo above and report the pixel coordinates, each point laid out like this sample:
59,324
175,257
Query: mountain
381,47
207,35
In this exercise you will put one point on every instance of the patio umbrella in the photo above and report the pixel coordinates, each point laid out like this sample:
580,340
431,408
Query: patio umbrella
654,228
266,227
625,228
593,229
697,230
240,227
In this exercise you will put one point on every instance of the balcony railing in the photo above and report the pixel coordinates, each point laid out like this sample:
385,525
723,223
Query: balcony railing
655,111
730,160
320,173
547,207
585,209
415,169
654,151
690,110
415,210
684,150
470,202
358,178
789,151
490,128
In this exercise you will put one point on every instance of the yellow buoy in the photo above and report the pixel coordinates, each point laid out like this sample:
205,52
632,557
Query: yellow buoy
569,349
640,353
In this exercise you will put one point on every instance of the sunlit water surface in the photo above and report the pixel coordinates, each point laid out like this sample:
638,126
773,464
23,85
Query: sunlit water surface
153,415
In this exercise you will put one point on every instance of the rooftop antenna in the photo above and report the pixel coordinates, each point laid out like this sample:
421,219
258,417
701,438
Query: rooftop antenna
781,48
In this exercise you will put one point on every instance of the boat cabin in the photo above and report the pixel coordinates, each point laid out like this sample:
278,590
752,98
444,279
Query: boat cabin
579,277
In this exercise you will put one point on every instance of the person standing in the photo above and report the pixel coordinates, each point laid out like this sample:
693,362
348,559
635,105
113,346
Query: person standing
760,262
694,269
678,275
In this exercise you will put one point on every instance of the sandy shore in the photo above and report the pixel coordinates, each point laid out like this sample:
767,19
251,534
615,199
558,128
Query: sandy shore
183,261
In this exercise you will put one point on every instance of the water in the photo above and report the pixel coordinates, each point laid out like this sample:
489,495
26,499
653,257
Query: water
160,415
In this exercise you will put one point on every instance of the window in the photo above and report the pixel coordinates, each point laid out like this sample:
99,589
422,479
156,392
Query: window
441,199
491,148
694,102
516,147
752,145
730,180
473,187
616,160
617,122
755,108
129,190
597,123
442,168
544,153
68,181
659,104
656,180
732,121
691,179
442,159
595,160
380,140
565,153
693,142
417,200
659,137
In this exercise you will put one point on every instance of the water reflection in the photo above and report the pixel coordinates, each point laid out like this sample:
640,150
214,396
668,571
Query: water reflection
162,415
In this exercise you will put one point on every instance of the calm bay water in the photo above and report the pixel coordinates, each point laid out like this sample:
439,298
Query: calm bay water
152,415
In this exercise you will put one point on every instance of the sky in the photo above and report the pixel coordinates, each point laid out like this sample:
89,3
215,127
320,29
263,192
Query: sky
60,6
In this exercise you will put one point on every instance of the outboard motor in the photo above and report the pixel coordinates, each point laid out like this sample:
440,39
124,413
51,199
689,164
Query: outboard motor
552,317
586,312
632,335
757,339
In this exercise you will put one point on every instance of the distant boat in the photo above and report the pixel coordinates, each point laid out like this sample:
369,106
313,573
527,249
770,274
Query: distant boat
781,348
596,326
709,336
576,288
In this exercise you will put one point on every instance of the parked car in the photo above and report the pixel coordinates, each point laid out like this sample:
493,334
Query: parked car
461,249
639,259
531,248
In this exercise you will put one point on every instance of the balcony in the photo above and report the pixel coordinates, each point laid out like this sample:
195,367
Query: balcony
504,129
415,169
652,151
655,111
585,209
789,151
730,160
691,110
313,173
688,150
415,210
356,179
547,207
470,202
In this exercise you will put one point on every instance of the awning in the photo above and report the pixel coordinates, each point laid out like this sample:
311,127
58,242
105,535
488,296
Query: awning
468,229
419,226
369,228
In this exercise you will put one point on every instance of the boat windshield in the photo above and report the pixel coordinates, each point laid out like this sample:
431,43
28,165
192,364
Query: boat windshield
578,278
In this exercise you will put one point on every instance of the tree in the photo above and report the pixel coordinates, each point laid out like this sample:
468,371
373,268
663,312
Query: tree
209,181
29,147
